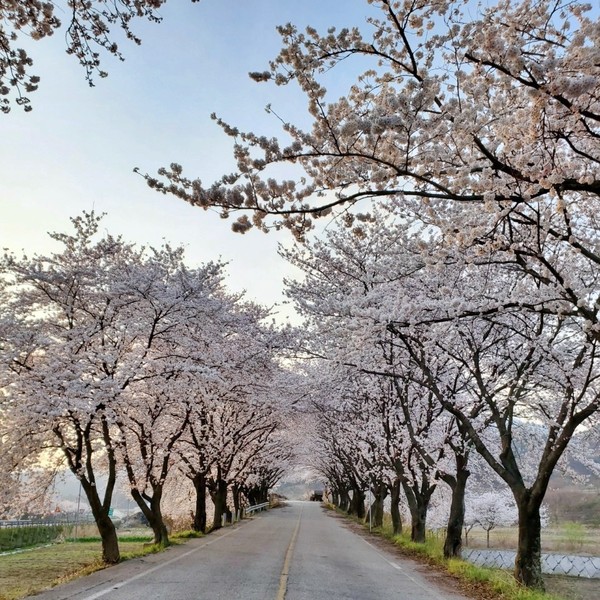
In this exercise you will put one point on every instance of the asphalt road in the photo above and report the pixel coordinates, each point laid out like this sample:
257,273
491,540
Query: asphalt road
298,552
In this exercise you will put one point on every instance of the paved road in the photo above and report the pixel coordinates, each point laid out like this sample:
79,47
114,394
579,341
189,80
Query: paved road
293,553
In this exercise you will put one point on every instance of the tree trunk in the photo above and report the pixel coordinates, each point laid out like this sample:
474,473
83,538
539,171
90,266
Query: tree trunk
376,508
82,466
357,504
237,500
456,519
418,505
334,497
264,492
528,563
395,508
110,540
379,505
199,524
151,508
106,528
344,500
219,498
253,495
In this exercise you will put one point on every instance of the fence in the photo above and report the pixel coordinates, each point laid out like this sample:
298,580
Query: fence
552,564
256,507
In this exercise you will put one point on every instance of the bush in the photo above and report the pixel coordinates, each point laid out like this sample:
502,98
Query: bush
12,538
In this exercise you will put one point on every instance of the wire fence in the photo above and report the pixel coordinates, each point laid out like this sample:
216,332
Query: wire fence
552,564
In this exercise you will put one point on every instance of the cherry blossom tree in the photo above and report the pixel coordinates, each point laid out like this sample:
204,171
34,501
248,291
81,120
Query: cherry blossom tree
266,468
152,421
240,430
89,320
160,401
531,382
436,125
89,31
235,411
490,510
502,372
350,281
435,114
66,360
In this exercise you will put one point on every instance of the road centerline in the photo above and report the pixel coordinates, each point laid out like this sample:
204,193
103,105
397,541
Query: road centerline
283,579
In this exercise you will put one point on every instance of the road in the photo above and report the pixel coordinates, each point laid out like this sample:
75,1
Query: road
297,552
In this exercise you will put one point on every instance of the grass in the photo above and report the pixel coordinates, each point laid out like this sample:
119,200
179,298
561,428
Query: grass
34,569
501,583
186,535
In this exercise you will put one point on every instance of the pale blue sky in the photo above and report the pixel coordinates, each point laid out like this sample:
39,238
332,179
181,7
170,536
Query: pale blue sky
76,150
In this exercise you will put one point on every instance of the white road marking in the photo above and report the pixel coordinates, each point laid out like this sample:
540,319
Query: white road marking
396,566
157,567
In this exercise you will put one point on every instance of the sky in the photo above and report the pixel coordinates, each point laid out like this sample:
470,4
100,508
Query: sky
77,149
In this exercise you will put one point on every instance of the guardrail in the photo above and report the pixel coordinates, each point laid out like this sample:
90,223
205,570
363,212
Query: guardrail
256,507
246,511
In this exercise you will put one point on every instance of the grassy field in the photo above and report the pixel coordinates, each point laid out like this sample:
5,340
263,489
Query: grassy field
32,570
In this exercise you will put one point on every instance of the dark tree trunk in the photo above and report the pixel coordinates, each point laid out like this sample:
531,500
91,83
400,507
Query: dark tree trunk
106,528
334,497
219,498
110,541
528,563
395,508
253,495
344,500
264,496
376,508
199,481
237,500
456,519
379,500
357,504
151,508
418,504
81,464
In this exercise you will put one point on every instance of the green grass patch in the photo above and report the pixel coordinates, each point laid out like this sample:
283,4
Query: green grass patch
187,534
33,570
122,538
500,582
143,551
431,548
